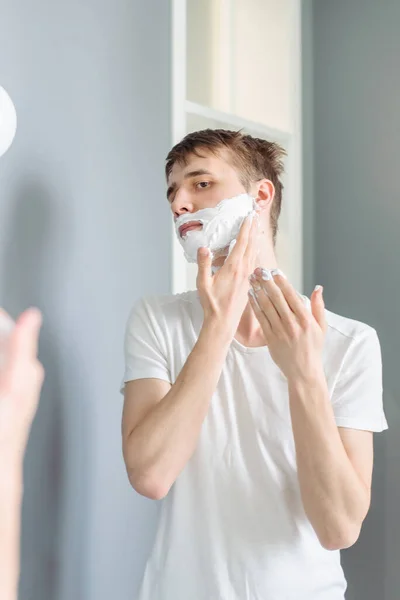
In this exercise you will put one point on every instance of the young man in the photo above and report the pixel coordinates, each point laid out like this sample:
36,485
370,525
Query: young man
21,378
251,415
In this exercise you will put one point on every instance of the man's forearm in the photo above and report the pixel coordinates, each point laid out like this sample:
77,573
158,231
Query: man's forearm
10,515
334,497
162,443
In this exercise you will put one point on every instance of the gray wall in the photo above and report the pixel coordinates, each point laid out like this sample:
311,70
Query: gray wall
356,75
82,199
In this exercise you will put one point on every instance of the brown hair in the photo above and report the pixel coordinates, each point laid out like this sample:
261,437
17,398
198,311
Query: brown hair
254,159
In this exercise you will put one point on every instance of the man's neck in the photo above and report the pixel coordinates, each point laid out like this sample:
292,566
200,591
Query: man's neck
249,332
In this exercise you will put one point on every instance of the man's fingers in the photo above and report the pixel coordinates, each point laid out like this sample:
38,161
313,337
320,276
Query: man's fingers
261,316
24,340
204,260
241,241
252,243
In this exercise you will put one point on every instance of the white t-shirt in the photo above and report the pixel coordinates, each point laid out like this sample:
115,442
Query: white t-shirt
233,526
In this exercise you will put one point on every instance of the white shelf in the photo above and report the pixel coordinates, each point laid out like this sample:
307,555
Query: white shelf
192,108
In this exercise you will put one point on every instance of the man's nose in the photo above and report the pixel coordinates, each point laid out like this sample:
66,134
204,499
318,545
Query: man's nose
182,203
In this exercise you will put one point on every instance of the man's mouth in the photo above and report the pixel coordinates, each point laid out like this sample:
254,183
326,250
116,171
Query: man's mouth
183,229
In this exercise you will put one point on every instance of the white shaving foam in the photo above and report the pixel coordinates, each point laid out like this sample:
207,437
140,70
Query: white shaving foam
220,226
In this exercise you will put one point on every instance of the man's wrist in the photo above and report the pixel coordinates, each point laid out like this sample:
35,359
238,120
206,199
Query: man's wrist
217,331
311,379
11,460
11,486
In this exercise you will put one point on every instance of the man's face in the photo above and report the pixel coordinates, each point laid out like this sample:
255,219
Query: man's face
202,183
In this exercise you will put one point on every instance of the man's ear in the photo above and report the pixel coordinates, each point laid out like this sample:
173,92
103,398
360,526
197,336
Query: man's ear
264,194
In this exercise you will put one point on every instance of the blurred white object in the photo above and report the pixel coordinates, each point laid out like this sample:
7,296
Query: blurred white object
7,325
8,121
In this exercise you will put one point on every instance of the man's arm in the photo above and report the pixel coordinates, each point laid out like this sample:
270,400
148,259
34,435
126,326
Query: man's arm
334,465
21,379
10,523
161,426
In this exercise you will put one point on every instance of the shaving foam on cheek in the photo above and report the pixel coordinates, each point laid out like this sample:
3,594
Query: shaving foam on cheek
220,226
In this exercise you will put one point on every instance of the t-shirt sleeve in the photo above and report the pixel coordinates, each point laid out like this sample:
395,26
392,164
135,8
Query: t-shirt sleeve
144,347
357,396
